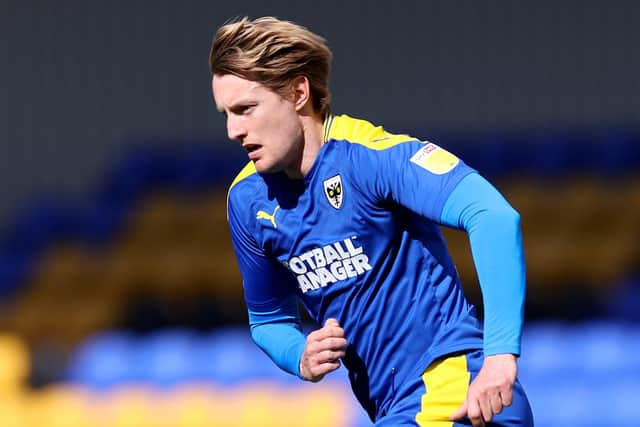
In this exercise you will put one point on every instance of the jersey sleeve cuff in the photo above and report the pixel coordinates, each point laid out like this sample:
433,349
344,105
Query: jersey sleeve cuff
493,350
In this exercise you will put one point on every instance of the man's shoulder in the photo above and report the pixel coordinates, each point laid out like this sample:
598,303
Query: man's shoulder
362,133
245,186
245,179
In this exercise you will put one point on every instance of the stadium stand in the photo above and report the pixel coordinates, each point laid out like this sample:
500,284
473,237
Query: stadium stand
178,378
125,300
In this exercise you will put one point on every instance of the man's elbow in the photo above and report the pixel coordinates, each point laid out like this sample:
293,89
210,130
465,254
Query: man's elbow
504,217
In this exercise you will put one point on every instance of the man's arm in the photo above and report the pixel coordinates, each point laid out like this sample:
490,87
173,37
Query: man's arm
278,333
273,308
496,244
281,338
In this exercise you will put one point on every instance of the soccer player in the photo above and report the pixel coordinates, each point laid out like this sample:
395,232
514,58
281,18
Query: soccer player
345,217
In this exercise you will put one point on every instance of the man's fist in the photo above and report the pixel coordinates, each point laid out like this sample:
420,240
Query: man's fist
323,351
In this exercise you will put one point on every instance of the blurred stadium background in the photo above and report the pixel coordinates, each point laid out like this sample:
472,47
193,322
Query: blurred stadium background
120,301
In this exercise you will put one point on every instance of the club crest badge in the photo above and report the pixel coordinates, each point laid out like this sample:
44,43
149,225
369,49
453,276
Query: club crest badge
333,190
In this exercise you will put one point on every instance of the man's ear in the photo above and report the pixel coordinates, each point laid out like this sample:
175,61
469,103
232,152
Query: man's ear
301,92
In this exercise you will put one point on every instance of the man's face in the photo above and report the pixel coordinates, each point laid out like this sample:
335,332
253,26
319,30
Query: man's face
264,122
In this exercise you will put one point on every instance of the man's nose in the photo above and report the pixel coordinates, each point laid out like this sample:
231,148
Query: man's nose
235,129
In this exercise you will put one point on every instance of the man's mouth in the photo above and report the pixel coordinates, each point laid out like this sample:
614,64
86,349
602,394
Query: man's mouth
251,147
252,150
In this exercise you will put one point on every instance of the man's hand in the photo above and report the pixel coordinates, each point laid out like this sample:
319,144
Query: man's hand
323,350
490,391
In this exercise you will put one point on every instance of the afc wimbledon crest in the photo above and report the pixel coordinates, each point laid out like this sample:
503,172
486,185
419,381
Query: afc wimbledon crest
333,191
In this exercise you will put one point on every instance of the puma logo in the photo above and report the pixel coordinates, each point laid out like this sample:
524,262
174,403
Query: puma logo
269,217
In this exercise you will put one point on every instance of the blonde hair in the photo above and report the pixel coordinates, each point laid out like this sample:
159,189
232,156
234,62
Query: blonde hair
273,52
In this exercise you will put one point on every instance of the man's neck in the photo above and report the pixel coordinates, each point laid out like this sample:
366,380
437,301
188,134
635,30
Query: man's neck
313,139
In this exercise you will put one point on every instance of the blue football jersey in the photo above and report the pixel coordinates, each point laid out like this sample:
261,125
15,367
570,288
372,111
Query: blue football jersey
358,239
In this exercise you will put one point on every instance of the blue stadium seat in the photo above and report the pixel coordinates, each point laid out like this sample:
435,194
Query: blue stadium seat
546,349
141,168
14,271
98,222
166,358
548,154
105,361
43,220
585,374
616,151
608,349
229,356
199,166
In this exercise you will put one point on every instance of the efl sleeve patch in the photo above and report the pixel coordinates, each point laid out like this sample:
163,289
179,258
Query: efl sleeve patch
435,159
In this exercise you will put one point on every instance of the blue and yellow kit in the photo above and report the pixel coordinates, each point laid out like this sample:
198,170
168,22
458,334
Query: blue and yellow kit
358,239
